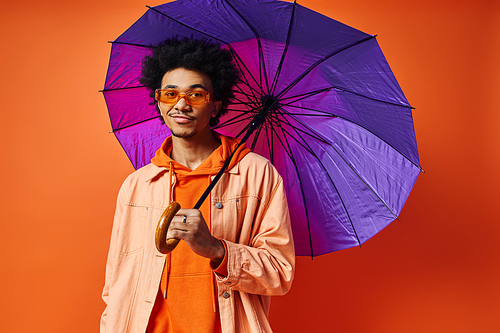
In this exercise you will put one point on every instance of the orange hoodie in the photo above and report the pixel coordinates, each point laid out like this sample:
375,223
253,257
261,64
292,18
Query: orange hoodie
186,298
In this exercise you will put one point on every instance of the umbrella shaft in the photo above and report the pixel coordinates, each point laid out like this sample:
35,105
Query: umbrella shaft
256,122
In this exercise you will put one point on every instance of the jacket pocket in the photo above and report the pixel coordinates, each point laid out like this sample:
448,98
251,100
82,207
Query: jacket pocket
234,218
132,228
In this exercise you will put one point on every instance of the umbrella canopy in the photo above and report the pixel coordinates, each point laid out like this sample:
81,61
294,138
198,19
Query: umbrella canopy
336,123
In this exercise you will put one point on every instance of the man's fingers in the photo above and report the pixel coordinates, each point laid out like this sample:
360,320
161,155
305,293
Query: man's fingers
188,213
187,219
186,235
174,232
182,219
179,225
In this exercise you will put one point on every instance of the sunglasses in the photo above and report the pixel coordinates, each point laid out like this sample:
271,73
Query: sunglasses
171,96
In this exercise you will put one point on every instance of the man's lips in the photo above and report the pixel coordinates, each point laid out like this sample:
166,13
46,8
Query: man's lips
181,118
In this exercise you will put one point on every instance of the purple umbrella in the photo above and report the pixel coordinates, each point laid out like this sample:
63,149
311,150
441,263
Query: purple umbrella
325,106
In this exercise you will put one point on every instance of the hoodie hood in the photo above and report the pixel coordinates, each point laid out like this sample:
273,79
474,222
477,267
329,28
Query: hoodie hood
211,165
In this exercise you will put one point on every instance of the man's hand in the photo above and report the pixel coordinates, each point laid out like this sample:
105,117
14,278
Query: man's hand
196,234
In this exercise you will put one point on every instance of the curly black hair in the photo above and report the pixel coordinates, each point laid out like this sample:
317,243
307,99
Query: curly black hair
197,55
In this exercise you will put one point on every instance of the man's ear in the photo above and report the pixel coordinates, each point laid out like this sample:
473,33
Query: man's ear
217,107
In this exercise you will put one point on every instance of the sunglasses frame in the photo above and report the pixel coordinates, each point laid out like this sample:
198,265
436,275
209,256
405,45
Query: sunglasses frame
208,96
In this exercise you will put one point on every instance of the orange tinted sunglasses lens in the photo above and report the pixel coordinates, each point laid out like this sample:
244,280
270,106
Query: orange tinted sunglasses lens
170,96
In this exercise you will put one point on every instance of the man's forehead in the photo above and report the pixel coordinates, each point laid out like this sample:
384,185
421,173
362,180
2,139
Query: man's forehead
193,86
181,78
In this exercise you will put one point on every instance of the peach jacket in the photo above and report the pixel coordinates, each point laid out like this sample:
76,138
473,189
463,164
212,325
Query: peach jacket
248,211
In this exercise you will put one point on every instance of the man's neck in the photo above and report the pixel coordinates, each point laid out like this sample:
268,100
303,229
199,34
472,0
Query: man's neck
191,152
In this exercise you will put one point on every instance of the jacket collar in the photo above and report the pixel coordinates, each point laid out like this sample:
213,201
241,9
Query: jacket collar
155,171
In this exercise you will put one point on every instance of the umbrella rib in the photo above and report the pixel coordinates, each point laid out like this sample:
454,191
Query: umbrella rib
315,92
311,151
187,26
270,139
327,115
353,122
353,170
305,95
127,153
309,94
273,129
133,44
295,128
240,110
251,97
272,145
242,101
255,137
285,51
304,74
240,63
121,88
319,112
238,90
233,121
245,114
292,158
263,71
208,35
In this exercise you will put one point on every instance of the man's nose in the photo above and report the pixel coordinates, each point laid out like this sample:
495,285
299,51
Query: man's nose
182,104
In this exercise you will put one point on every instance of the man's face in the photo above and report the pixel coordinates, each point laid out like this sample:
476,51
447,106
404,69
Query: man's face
183,120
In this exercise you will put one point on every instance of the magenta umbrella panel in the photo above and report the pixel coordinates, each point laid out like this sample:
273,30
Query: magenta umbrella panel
335,122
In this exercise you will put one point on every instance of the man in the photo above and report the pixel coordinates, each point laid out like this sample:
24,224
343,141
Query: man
236,250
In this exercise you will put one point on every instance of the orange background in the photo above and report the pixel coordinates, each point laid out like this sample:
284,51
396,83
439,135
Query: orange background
435,271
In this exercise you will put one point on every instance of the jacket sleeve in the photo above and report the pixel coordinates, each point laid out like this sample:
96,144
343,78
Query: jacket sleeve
111,260
266,265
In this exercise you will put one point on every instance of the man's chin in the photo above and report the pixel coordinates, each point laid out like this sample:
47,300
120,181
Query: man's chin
183,134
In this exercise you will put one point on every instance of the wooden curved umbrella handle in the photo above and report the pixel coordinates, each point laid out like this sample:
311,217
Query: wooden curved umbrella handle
163,244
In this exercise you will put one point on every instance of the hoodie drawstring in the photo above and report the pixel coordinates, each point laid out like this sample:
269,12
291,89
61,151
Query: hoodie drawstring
170,198
171,171
214,280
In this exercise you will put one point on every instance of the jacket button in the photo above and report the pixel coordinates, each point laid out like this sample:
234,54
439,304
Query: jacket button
218,205
225,295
